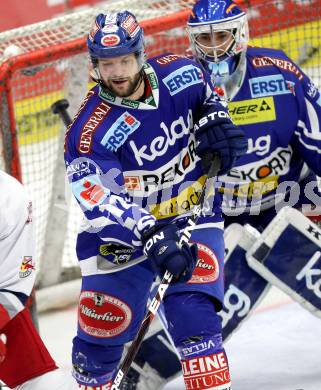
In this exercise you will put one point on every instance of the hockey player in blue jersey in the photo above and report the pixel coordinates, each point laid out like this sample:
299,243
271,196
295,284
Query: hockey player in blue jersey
133,159
279,109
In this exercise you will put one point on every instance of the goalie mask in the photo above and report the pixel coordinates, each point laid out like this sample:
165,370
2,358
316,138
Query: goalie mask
218,32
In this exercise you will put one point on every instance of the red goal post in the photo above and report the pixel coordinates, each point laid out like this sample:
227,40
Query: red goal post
44,62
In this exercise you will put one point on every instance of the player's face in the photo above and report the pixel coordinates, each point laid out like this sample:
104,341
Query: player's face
120,74
218,42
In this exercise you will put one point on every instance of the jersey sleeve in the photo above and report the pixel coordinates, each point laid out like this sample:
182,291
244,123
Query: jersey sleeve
307,136
97,183
17,246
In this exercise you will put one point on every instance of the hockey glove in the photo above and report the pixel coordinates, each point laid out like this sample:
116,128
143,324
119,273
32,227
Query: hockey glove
216,133
162,248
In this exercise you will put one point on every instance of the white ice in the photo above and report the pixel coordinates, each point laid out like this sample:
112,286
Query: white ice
277,348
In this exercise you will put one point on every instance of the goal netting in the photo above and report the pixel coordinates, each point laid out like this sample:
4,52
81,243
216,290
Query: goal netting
47,61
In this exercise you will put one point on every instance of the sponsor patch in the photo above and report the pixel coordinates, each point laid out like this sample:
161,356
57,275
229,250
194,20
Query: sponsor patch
89,191
130,25
119,131
132,183
207,267
270,85
26,267
251,181
88,131
160,144
110,28
110,40
116,253
276,164
202,347
183,78
260,145
253,190
168,59
261,62
107,95
207,372
166,176
252,111
83,104
101,315
153,80
80,168
180,204
111,18
130,103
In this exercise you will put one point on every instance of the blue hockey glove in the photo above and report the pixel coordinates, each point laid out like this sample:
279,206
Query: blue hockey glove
216,133
161,246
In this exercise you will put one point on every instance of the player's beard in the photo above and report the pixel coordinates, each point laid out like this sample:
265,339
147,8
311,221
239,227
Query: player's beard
132,85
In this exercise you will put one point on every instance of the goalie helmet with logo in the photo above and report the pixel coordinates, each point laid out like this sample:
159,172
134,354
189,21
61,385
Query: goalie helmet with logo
218,32
114,35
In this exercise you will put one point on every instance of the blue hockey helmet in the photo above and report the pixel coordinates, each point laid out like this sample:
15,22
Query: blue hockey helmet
218,32
114,35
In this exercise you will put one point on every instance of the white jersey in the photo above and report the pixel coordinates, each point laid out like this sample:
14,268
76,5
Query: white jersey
53,380
17,263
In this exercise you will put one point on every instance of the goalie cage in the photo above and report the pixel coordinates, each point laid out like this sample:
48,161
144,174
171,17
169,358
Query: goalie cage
51,63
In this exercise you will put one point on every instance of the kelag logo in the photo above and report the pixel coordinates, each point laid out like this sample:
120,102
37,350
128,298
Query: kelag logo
119,131
182,78
270,85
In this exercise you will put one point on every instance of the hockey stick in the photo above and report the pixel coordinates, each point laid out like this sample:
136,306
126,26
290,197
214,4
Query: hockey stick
60,108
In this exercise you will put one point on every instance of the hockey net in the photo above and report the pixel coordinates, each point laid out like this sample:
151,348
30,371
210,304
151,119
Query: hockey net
47,61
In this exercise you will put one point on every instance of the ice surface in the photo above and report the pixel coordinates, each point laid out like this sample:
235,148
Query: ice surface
278,348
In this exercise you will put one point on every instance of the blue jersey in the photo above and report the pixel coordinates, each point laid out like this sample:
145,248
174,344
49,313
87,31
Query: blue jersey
132,162
279,109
